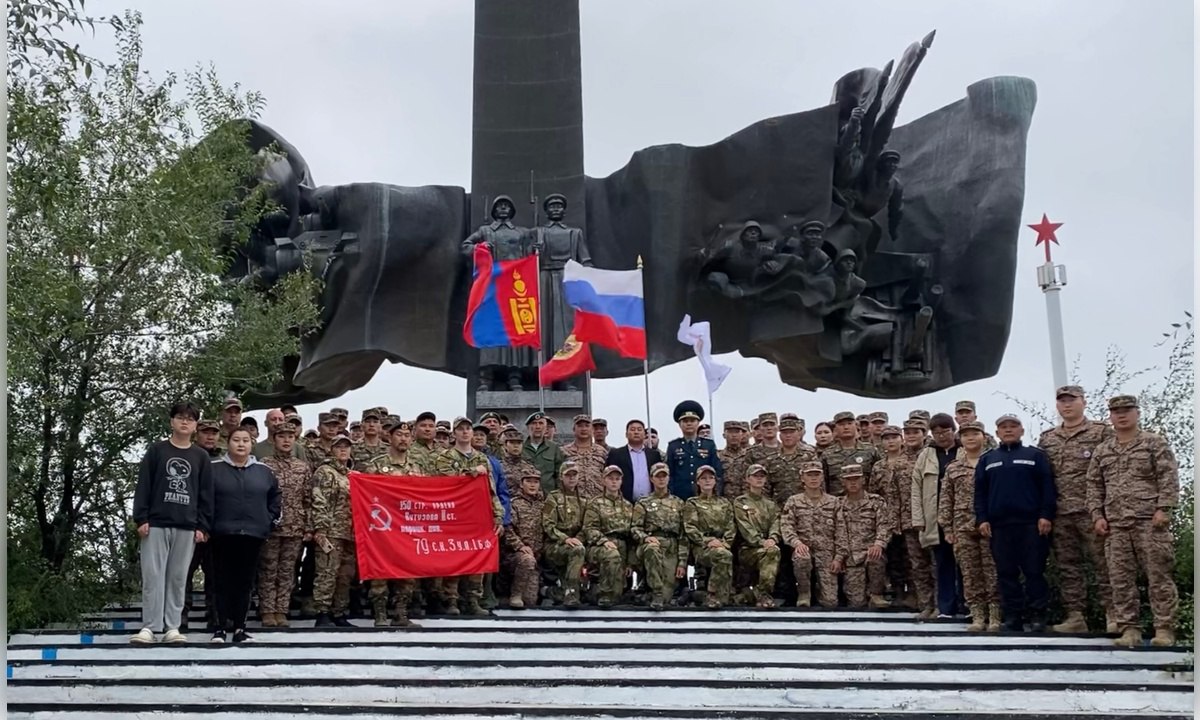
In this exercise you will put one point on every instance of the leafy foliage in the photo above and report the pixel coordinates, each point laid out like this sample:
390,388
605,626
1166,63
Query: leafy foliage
118,304
33,27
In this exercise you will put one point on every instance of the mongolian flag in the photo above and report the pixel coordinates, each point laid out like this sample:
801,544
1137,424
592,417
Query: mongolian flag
574,359
503,306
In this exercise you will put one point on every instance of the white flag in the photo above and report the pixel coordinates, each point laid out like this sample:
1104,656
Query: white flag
699,337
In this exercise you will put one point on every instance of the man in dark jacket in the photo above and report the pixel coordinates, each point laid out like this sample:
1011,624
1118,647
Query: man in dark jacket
635,460
1015,501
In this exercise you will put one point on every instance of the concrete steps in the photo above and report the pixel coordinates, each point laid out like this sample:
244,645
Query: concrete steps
625,663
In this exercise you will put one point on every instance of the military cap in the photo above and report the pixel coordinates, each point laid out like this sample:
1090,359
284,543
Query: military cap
552,197
745,426
688,409
293,420
733,425
355,425
441,430
232,402
503,418
341,438
599,421
921,414
879,415
443,424
248,422
976,425
755,469
1120,402
311,434
393,419
371,413
582,418
862,418
283,429
847,253
889,153
568,466
812,466
1072,390
610,469
890,430
705,469
852,471
340,412
535,416
401,425
660,468
510,432
916,424
479,427
768,417
705,426
211,425
964,405
754,424
789,421
460,420
326,418
532,472
550,422
426,415
1007,417
490,415
811,224
844,416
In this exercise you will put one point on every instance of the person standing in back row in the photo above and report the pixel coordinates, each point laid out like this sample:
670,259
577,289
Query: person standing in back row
172,509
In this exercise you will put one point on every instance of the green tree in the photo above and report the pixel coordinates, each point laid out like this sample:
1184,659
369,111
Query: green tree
34,34
118,303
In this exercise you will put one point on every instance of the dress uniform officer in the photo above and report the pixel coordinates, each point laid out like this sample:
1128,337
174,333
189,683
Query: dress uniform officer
685,455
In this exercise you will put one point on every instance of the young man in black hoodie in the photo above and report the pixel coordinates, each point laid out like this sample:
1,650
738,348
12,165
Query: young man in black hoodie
1015,503
173,510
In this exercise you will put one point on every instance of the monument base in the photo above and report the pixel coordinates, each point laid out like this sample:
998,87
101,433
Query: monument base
561,405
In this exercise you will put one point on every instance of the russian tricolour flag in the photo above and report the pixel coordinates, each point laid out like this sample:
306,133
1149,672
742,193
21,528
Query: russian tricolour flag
609,307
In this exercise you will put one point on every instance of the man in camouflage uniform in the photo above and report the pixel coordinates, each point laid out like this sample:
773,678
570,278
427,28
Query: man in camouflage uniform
600,433
462,459
208,434
231,419
657,532
737,434
523,540
607,522
424,451
373,443
755,432
343,418
768,440
542,452
808,525
846,450
396,461
964,412
877,421
783,466
512,460
756,517
910,566
1132,490
862,535
277,561
1070,447
318,451
972,551
710,528
589,457
333,532
495,444
562,524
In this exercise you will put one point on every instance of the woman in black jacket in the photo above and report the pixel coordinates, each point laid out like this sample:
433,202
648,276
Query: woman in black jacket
246,505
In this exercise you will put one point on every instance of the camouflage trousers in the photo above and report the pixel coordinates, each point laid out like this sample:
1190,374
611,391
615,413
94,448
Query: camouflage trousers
447,588
1152,551
719,561
335,572
610,570
973,553
567,561
864,577
658,563
523,568
398,592
277,573
761,565
920,567
1075,542
818,561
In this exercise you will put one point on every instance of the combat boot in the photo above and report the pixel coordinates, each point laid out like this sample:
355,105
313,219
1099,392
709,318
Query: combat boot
1163,637
978,620
516,602
878,601
402,620
804,599
381,615
281,620
1110,624
268,620
324,620
1130,638
1073,624
994,618
474,608
927,614
571,598
342,621
907,600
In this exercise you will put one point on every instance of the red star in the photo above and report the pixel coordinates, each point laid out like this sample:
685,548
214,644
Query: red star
1045,230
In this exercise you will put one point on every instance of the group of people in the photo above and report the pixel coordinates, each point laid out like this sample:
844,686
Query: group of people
933,512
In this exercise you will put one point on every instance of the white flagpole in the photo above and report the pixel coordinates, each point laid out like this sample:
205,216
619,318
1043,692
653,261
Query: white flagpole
645,360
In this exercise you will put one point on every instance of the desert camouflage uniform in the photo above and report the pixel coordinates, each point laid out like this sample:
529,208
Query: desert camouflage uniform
277,562
453,462
1127,484
315,454
514,469
706,519
562,518
972,551
757,520
1074,538
835,456
909,565
812,523
862,523
525,530
362,453
608,519
401,591
734,463
332,517
783,474
590,460
659,516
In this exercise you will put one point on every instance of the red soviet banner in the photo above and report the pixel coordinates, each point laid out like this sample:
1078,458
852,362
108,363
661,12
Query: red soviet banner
418,527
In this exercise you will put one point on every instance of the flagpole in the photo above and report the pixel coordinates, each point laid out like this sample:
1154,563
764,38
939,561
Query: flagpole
645,360
537,263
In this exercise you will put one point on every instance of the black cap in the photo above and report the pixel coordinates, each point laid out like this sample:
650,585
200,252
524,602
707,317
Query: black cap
426,416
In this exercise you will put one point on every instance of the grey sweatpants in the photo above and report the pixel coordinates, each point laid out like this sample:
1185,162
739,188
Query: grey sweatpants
166,555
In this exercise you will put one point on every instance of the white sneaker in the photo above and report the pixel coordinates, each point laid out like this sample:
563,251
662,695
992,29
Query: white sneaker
174,637
145,636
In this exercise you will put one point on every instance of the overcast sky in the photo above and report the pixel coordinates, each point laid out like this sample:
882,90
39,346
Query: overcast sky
376,90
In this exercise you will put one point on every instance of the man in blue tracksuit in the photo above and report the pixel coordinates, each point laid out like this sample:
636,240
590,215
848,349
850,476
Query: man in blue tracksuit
1015,500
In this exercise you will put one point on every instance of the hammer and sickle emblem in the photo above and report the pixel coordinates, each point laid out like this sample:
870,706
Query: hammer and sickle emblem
381,519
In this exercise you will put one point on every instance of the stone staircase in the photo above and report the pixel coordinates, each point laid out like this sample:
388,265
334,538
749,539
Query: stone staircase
623,663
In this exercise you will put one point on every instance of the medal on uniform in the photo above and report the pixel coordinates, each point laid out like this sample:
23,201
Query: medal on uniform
858,460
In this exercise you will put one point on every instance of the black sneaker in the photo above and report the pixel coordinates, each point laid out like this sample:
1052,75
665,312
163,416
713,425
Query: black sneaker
1037,624
342,621
1012,627
323,620
218,637
240,636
